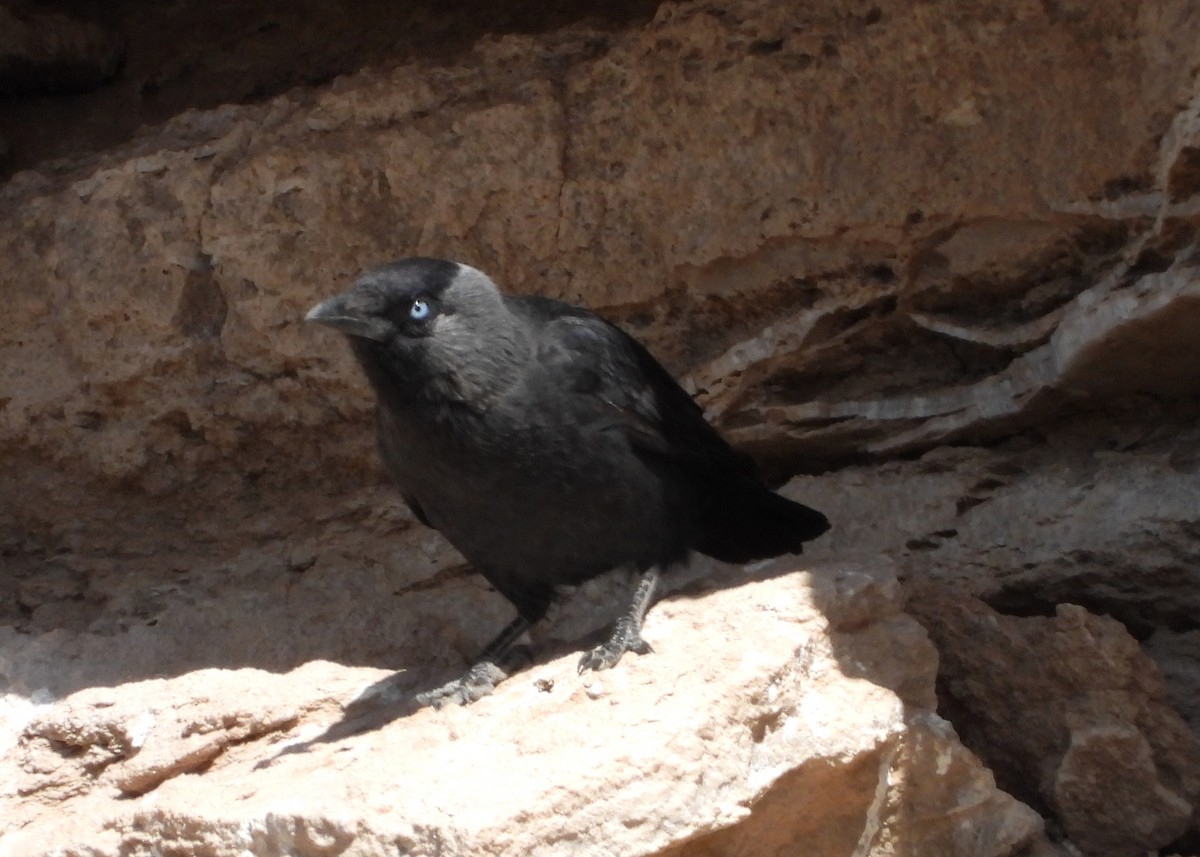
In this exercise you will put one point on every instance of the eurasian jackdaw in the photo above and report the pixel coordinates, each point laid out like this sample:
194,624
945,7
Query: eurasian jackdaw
548,446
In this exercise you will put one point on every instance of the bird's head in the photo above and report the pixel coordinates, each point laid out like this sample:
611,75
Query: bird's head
428,327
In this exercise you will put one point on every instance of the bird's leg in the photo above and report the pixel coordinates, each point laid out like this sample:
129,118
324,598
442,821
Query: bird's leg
501,650
492,667
627,635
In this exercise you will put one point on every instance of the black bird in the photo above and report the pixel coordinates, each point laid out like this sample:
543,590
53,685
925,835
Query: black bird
548,446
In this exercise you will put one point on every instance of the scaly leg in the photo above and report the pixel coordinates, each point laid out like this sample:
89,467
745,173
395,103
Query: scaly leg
627,635
491,668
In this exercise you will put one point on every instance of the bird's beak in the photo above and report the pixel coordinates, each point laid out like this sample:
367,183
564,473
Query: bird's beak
346,313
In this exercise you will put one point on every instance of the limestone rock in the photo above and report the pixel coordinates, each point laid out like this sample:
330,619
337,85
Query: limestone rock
868,235
1070,714
781,727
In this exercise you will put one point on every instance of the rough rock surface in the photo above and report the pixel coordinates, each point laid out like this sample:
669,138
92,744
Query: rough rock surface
190,55
154,342
1099,511
1069,713
825,722
942,258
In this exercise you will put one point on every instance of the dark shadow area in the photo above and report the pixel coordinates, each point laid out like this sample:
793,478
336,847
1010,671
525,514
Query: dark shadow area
196,55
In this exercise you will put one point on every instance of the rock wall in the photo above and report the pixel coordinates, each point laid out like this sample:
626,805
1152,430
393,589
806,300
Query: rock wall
939,259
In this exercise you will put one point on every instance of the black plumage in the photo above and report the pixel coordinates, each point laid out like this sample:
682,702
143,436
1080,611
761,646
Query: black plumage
547,445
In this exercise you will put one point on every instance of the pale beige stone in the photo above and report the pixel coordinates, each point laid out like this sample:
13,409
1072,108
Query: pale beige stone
751,722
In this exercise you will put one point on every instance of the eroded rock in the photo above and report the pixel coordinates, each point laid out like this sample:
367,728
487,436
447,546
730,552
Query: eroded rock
779,726
1070,714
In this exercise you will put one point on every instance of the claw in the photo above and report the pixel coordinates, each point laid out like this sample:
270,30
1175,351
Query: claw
479,681
624,639
627,636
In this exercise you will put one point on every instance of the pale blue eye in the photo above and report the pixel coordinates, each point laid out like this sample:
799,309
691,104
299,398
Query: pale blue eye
419,310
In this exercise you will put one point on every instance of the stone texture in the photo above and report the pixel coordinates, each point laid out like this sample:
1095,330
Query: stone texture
885,244
1070,714
1098,510
190,55
820,737
48,51
1129,333
154,337
1178,656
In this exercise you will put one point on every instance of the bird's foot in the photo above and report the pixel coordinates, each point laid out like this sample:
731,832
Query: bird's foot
479,681
627,637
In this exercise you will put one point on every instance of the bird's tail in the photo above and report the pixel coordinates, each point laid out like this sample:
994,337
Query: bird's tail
750,522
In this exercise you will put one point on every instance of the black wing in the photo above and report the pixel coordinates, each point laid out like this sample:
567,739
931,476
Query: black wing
629,387
741,519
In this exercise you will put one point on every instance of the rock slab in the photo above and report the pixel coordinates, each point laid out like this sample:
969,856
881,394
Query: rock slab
816,731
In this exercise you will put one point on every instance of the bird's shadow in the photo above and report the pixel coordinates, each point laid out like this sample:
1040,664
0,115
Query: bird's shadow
376,706
395,696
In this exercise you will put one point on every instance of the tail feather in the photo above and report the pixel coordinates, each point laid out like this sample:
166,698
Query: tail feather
750,522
